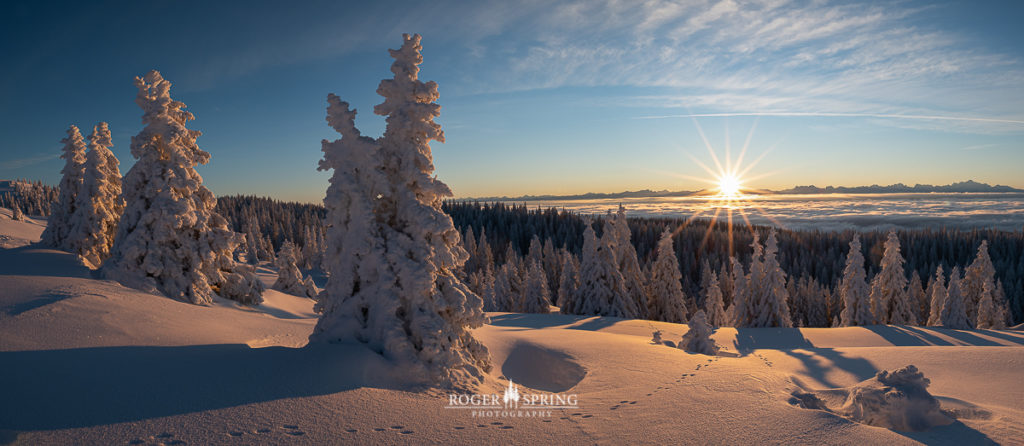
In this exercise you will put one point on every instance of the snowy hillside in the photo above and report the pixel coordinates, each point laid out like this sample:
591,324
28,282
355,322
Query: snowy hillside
88,361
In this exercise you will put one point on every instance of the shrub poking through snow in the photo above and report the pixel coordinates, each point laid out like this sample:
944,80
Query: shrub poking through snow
170,239
698,339
656,337
392,253
289,278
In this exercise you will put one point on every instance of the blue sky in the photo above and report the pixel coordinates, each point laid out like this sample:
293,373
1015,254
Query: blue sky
541,97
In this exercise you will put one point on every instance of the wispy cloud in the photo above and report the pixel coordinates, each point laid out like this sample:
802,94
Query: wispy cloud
24,162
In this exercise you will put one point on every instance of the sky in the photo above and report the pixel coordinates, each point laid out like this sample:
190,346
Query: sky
541,97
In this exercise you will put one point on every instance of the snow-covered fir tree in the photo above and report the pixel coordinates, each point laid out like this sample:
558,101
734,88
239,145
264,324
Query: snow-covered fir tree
954,313
99,204
740,295
979,275
392,252
289,278
698,338
938,298
853,289
536,296
469,244
602,290
16,213
170,238
567,285
918,298
620,238
890,301
664,287
60,223
713,306
705,278
535,254
768,289
552,268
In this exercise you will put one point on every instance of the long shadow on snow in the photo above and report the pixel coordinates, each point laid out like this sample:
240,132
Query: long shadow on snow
35,260
914,336
956,433
545,320
817,361
58,389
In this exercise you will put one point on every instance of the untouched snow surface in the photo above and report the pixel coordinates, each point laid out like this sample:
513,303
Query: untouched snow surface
86,361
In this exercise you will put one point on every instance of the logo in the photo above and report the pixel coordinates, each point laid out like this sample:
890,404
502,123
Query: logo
512,403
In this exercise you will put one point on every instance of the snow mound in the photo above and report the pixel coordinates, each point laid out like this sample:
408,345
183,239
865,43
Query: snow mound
541,368
897,400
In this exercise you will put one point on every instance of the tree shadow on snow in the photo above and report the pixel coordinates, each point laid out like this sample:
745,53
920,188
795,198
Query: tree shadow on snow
531,320
750,339
59,389
915,336
35,260
956,433
818,362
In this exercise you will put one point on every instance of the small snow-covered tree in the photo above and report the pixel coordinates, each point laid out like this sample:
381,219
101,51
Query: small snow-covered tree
16,213
392,253
698,338
60,224
568,284
938,298
954,315
979,275
170,238
665,287
99,204
989,316
536,296
289,278
889,299
853,289
713,306
508,287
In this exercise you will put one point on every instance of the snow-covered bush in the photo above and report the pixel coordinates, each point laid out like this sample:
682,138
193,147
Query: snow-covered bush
289,278
698,338
169,238
99,205
391,252
60,223
895,400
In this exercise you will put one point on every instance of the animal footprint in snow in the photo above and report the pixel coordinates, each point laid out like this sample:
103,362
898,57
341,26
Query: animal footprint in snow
235,433
351,431
587,416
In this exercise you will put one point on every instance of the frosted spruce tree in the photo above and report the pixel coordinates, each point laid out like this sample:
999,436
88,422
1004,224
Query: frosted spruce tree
713,306
170,238
853,289
918,298
665,287
392,253
567,285
938,298
698,338
954,314
988,316
629,265
890,301
16,213
536,296
289,278
768,285
740,294
60,224
979,275
99,204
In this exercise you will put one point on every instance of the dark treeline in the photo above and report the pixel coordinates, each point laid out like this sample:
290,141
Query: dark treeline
819,255
33,198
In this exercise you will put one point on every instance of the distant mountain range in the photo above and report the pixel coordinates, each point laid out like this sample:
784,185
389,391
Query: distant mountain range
898,188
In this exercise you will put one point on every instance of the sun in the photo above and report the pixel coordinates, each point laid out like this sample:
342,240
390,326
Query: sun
729,186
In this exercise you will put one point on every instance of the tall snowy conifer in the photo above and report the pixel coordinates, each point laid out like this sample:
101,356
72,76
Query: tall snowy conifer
536,296
938,298
170,238
890,302
740,294
99,204
954,314
59,224
713,306
979,275
392,252
771,296
853,288
667,301
918,298
629,265
568,284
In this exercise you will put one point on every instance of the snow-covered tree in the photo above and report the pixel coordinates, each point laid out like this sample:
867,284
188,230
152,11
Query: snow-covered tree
508,287
602,290
16,213
954,313
60,223
890,301
979,275
698,338
570,281
170,238
289,278
552,267
768,284
738,311
618,236
989,317
99,205
392,253
536,296
665,287
853,288
713,306
938,298
918,298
